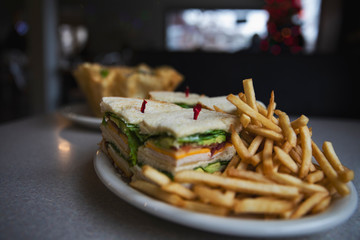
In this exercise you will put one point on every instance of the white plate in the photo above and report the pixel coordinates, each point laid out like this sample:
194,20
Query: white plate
339,211
81,114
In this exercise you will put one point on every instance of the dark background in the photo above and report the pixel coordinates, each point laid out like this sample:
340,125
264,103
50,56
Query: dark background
324,83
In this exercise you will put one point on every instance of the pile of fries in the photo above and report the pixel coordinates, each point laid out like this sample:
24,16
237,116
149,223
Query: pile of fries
273,175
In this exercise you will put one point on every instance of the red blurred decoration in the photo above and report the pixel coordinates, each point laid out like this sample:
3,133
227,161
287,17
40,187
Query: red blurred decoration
143,105
187,90
284,36
196,109
275,50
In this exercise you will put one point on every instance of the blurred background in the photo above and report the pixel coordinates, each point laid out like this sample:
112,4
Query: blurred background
307,51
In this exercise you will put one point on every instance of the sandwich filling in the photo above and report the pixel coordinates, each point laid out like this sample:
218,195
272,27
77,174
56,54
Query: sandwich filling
171,154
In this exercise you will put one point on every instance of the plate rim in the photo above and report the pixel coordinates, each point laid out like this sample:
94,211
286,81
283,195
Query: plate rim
339,212
73,113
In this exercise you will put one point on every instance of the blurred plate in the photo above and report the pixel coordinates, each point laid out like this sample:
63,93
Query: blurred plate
81,114
340,210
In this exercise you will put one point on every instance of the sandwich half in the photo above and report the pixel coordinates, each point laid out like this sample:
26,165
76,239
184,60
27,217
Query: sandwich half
192,99
179,98
120,129
179,142
165,136
220,102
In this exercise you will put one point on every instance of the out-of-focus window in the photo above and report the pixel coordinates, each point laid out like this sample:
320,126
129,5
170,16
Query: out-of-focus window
226,30
231,30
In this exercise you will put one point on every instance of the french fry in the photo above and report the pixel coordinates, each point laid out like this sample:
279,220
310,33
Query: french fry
155,175
287,130
267,157
263,111
252,113
283,169
314,177
243,186
262,205
277,137
250,175
287,214
306,151
285,159
242,96
255,159
214,196
157,192
345,175
254,146
294,155
245,120
241,149
246,136
331,156
340,187
250,97
294,181
308,204
286,147
242,165
178,189
250,93
259,167
322,205
271,106
297,148
205,208
233,162
300,122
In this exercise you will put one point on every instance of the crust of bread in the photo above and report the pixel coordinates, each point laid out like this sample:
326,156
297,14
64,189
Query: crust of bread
130,108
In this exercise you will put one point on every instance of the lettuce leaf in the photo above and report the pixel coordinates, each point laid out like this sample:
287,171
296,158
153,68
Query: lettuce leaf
184,105
213,167
200,139
206,138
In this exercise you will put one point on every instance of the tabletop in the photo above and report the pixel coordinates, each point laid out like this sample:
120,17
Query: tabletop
49,188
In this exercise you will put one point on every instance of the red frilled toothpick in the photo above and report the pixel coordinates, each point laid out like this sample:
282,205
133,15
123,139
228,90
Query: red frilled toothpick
187,90
143,105
196,109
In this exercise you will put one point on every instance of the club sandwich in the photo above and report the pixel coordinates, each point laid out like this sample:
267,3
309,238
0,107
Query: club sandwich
165,136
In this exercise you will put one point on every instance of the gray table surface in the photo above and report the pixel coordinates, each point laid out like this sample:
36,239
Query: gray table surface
49,188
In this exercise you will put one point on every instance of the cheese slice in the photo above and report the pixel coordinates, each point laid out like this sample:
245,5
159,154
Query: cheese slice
177,154
116,131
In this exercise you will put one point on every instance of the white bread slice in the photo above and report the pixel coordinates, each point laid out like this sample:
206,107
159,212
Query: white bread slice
175,97
181,123
130,108
220,102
